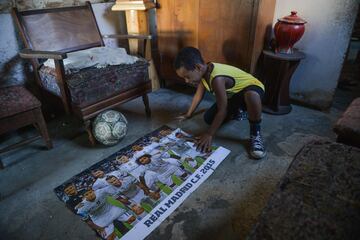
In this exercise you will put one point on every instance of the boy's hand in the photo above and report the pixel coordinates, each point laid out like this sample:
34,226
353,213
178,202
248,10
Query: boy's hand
203,142
101,231
137,209
183,117
154,195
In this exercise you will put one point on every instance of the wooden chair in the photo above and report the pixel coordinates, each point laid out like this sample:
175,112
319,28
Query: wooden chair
51,34
19,108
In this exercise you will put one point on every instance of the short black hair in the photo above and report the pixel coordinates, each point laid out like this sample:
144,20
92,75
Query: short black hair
188,57
110,176
138,159
97,169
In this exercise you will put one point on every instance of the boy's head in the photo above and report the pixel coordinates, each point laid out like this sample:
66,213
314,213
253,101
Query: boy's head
113,181
70,190
122,159
97,173
137,148
144,159
179,135
89,195
164,133
190,65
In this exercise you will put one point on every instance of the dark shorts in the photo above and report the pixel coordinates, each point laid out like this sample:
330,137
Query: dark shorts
236,102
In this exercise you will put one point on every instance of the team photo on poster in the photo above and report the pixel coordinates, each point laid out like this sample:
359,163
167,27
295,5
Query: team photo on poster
136,185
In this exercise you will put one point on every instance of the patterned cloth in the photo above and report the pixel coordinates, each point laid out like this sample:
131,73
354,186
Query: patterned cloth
318,198
16,99
99,57
92,84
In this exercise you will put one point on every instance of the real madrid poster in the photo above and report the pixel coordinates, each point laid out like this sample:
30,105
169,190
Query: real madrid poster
128,194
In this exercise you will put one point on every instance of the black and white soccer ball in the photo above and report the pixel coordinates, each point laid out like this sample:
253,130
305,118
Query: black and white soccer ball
110,127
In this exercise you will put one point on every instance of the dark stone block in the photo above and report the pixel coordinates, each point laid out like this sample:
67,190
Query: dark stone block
348,126
318,198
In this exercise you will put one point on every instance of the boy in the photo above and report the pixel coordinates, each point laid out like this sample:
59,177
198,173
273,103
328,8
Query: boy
233,88
163,167
100,214
72,197
100,180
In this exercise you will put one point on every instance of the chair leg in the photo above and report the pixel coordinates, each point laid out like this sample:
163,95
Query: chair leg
41,124
66,108
1,164
147,105
87,124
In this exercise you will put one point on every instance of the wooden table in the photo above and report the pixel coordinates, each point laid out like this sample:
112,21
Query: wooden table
278,70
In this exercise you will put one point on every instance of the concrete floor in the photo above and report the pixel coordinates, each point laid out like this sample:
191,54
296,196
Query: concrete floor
224,207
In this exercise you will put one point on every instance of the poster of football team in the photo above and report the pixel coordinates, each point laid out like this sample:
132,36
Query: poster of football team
127,195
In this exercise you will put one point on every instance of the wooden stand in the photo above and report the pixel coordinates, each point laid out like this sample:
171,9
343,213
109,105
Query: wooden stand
137,22
278,69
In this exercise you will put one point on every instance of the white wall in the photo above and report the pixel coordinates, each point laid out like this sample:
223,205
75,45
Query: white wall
109,22
11,67
325,42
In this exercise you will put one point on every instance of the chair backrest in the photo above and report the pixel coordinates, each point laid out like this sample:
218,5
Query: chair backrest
65,29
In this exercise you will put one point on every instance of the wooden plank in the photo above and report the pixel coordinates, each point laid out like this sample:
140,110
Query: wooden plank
225,31
16,121
19,144
28,53
53,31
128,36
177,23
92,110
262,30
224,27
138,23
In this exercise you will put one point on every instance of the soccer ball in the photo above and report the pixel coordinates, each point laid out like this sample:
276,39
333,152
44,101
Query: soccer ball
109,127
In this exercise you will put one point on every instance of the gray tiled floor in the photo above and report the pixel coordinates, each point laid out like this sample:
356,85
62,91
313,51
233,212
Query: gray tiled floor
224,207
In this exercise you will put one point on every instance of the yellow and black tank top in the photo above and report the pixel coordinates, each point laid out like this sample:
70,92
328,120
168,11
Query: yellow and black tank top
242,79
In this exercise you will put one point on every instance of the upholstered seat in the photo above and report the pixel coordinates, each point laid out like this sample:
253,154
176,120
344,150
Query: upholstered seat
19,108
92,84
16,99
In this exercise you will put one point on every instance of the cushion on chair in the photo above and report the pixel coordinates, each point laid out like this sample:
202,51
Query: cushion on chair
94,57
92,84
16,99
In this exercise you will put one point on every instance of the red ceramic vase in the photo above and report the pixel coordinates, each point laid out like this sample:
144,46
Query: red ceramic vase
288,30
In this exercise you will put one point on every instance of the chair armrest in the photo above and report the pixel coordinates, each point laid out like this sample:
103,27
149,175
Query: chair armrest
128,36
28,53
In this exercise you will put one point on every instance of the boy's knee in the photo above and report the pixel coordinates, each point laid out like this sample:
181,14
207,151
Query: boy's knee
252,95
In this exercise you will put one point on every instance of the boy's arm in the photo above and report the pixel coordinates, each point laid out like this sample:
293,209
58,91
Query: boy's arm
200,90
218,84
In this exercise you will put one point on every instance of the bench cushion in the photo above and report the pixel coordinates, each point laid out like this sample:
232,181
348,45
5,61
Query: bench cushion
16,99
91,85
